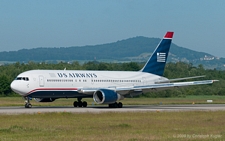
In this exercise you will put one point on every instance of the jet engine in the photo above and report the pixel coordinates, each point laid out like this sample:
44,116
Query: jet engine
44,99
105,96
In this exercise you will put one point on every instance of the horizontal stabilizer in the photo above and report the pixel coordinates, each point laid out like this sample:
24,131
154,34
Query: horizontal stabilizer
175,85
179,79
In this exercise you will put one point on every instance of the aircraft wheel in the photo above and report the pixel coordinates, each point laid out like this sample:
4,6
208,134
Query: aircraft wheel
84,104
75,103
115,105
28,105
110,106
80,104
120,105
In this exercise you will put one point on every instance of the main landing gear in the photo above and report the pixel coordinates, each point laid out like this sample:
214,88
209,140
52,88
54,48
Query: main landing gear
116,105
79,103
27,102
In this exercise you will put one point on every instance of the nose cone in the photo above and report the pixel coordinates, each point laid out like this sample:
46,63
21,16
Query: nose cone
15,86
12,85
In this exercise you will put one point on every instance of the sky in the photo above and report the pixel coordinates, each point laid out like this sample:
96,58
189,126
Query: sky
197,24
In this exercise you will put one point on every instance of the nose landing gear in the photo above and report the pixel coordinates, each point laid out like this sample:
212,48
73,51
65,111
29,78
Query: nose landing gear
27,102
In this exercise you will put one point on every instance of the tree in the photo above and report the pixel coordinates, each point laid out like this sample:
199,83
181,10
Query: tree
4,85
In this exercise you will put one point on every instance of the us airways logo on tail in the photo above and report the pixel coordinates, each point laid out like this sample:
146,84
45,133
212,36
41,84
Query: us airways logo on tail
161,57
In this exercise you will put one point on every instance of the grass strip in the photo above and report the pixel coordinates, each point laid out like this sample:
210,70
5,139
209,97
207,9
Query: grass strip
128,126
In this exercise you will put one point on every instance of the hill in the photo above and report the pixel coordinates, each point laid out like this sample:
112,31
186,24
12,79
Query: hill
133,49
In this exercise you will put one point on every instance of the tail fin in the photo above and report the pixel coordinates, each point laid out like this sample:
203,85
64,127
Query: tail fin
157,61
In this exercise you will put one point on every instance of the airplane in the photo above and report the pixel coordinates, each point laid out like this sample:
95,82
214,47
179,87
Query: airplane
105,87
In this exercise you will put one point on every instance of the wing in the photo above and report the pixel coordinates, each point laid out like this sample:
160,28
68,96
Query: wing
146,88
162,86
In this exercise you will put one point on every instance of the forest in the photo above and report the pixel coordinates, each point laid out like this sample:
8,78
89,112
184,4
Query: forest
172,70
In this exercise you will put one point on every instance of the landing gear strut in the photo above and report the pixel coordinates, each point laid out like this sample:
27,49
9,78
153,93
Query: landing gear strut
116,105
79,103
27,102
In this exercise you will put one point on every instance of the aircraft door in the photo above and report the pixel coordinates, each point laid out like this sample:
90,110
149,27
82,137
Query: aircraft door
41,81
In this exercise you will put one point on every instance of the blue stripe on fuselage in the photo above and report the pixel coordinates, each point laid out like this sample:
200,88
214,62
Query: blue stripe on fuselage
56,94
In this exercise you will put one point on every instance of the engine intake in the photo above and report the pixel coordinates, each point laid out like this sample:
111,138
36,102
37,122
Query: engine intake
105,96
44,99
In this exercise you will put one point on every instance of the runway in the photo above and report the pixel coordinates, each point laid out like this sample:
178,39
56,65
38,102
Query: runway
104,108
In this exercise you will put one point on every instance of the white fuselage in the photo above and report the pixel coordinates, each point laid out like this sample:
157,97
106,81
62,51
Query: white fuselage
47,83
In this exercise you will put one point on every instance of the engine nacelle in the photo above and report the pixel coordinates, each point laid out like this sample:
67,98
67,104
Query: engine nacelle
44,99
105,96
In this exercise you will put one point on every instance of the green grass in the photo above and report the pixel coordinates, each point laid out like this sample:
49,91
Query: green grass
129,126
18,101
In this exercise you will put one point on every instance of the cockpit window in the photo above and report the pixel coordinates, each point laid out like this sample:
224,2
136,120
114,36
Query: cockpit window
18,78
22,78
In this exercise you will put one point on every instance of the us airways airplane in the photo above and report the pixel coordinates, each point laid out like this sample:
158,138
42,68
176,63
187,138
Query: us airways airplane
105,87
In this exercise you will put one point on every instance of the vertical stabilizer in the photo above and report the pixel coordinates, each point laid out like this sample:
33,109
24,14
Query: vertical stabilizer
157,61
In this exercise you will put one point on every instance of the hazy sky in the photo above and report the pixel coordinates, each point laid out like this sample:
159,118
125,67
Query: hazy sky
198,24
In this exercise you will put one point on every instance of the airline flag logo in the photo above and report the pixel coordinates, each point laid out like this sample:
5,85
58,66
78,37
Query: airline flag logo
161,57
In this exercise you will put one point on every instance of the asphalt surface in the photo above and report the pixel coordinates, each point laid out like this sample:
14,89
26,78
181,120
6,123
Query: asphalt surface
104,108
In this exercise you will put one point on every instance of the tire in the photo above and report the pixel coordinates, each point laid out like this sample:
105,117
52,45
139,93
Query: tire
115,105
75,103
27,105
80,104
110,106
120,105
84,104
